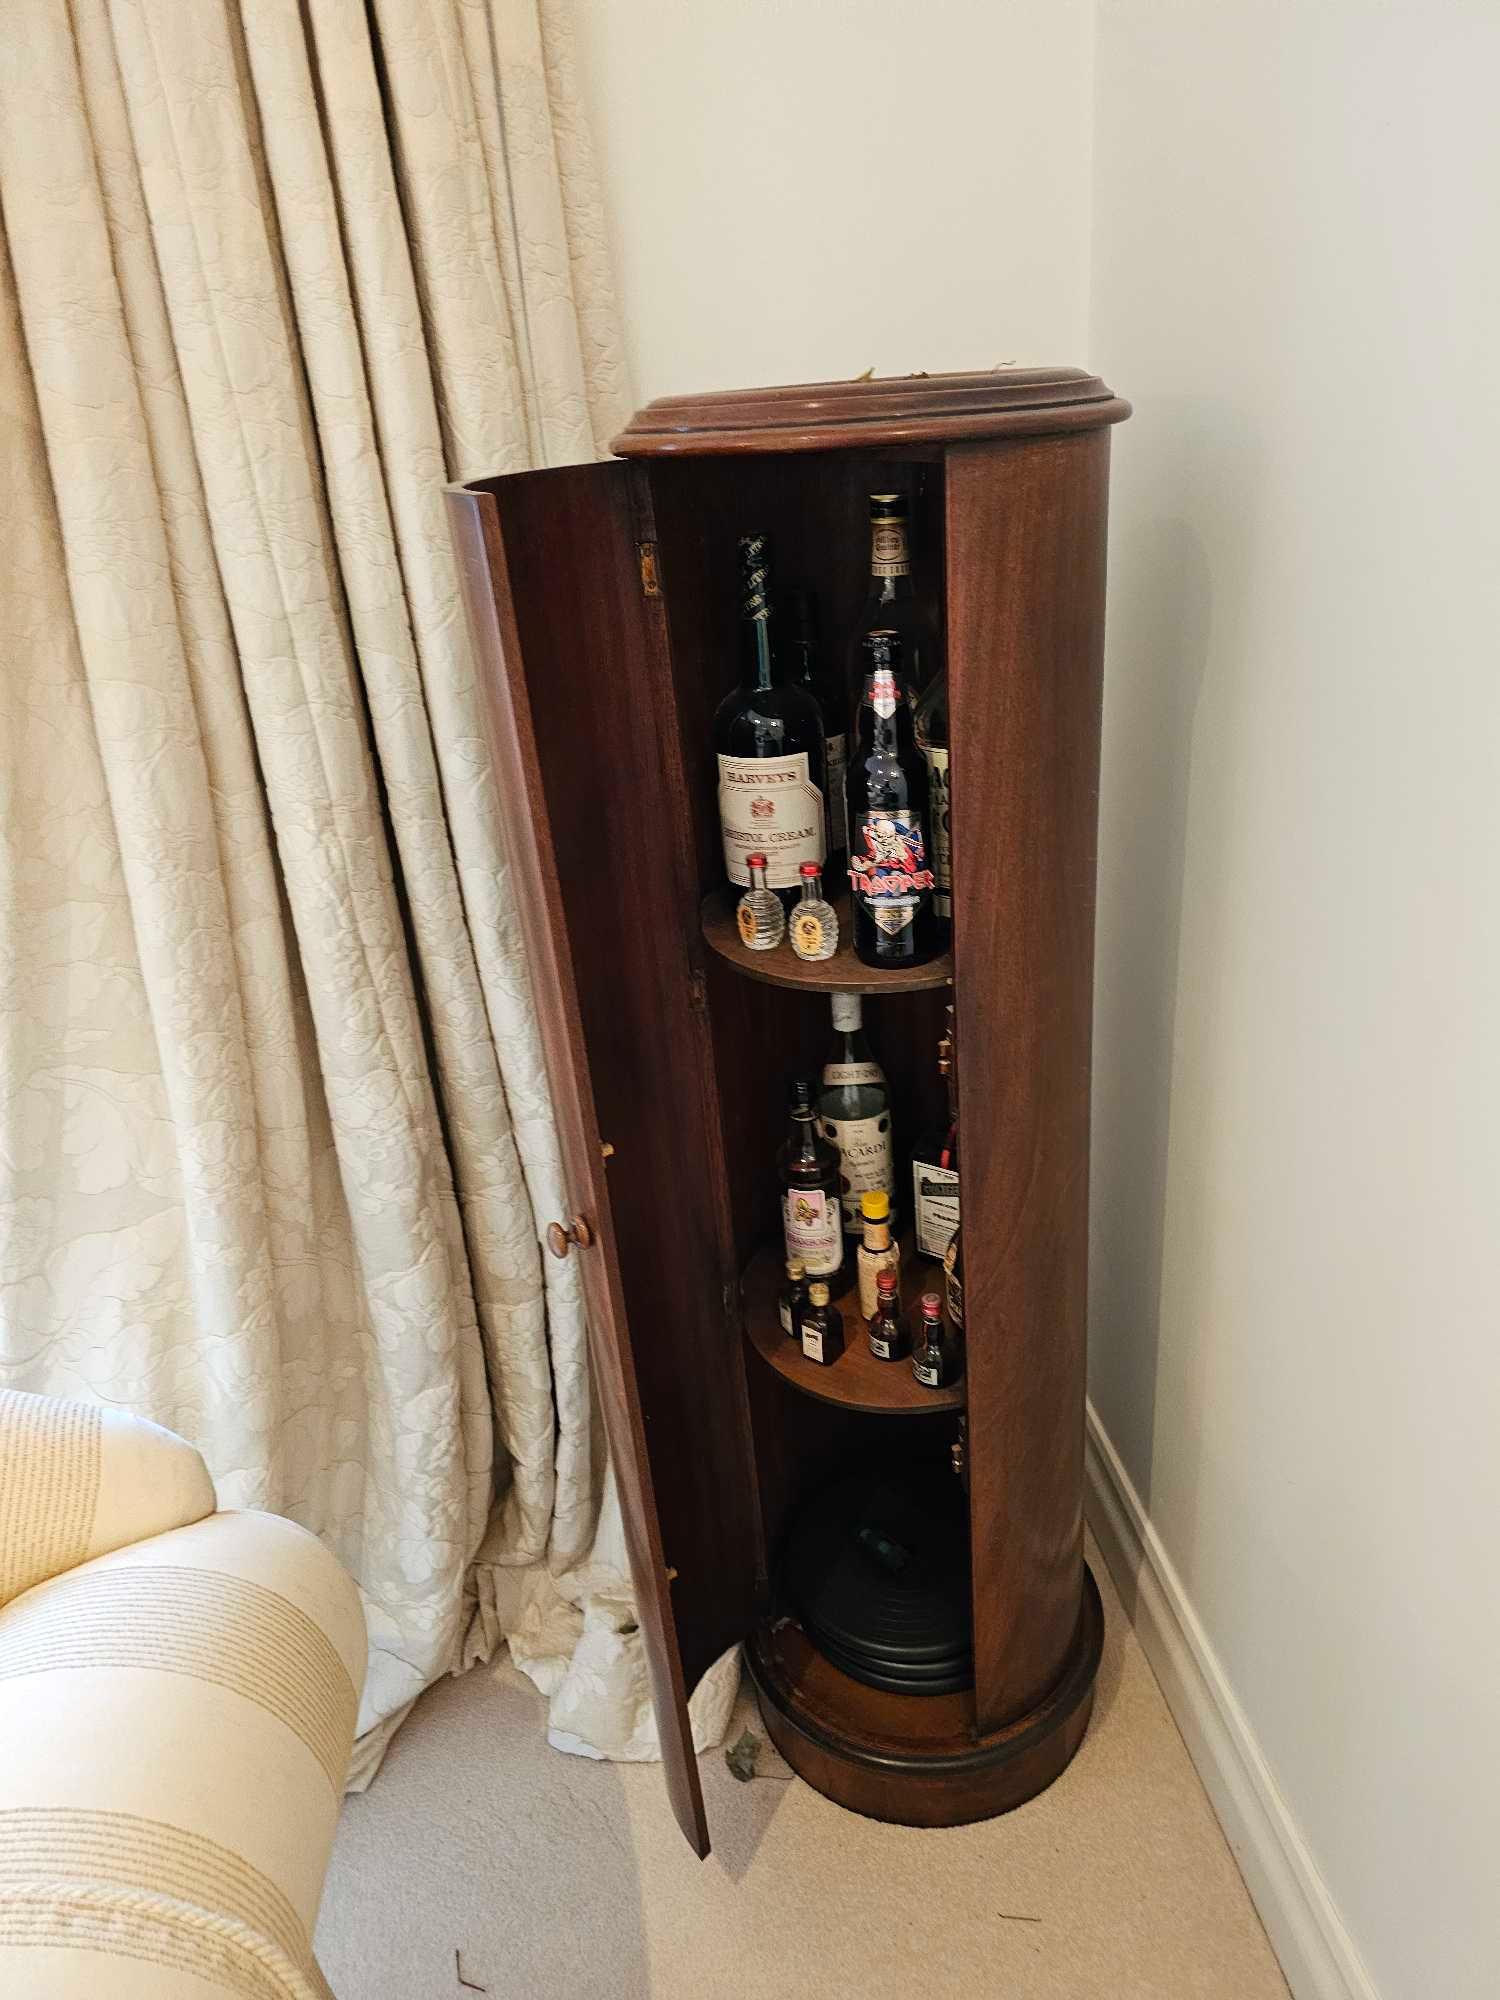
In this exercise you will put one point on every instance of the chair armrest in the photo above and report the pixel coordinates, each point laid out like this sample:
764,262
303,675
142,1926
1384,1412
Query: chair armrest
77,1481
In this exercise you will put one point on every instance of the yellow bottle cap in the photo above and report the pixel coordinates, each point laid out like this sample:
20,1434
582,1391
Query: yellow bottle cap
818,1294
874,1204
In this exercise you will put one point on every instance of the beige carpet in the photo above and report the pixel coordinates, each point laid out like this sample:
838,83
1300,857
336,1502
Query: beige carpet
559,1879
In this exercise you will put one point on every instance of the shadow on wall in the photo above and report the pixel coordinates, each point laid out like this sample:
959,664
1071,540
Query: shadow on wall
1160,618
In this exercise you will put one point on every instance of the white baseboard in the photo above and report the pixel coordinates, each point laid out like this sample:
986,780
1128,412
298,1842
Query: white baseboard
1317,1954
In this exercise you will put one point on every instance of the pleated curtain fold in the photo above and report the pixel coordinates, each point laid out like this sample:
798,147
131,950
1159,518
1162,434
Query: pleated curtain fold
275,1144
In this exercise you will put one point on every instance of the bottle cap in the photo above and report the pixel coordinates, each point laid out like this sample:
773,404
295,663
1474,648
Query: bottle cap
932,1306
848,1014
802,1094
886,504
885,1281
818,1293
795,1268
756,861
875,1205
810,871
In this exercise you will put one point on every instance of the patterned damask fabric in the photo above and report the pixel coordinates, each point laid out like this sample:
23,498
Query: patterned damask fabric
271,274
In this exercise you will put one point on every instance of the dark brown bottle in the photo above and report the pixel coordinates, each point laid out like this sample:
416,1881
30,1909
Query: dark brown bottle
886,1329
792,1301
892,602
891,876
934,1167
931,1360
822,1327
811,1215
809,670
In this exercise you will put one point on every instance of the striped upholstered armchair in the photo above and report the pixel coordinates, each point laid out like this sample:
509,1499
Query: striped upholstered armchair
178,1691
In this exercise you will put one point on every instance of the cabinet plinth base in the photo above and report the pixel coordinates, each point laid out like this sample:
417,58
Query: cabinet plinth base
914,1759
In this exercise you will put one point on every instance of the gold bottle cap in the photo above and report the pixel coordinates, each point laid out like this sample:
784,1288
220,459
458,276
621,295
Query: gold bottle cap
875,1205
818,1293
795,1268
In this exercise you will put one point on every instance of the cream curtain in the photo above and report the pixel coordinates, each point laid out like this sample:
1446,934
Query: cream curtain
274,1140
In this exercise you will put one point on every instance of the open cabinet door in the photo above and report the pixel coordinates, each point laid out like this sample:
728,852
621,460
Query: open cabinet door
571,649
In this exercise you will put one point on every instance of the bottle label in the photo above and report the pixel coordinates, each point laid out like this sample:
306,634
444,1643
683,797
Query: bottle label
871,1264
811,1223
809,934
942,843
836,753
836,1074
812,1341
928,1374
889,555
865,1161
784,1309
770,806
881,1346
934,1206
883,696
744,917
889,873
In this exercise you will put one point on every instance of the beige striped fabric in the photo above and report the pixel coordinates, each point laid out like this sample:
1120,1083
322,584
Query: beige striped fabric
49,1484
176,1718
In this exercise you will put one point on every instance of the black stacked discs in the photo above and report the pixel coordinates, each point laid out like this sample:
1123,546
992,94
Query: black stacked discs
877,1570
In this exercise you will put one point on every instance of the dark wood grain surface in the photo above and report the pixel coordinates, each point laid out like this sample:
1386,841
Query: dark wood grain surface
1026,546
878,413
919,1760
595,836
844,972
856,1381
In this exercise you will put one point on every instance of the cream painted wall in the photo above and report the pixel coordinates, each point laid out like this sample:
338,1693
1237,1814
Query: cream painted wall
801,189
1295,1339
1295,1328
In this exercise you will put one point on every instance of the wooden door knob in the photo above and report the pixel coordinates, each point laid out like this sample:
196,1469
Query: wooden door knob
577,1232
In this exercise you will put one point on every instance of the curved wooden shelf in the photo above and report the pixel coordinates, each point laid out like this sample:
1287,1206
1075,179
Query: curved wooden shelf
915,1760
843,973
856,1381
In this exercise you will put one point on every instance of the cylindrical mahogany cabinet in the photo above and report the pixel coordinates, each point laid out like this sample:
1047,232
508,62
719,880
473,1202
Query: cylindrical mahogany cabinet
602,604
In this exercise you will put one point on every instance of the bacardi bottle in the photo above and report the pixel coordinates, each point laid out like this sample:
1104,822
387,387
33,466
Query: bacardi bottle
890,867
809,1169
854,1112
822,1327
769,741
886,1332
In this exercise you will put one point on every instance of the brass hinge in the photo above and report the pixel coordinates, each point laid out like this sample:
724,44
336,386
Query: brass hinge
650,575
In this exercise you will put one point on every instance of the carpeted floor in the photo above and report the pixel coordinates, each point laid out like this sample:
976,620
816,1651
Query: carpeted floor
560,1879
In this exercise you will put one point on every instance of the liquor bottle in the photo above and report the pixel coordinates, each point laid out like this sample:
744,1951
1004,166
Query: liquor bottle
854,1111
814,924
822,1327
809,1169
934,1167
807,668
769,741
887,1330
930,1360
877,1253
892,603
953,1288
793,1298
758,916
930,725
890,870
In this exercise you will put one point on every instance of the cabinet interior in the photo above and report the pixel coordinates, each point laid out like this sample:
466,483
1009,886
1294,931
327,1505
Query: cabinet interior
814,507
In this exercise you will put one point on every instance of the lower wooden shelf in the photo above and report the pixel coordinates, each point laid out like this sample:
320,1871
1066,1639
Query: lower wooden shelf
856,1381
916,1760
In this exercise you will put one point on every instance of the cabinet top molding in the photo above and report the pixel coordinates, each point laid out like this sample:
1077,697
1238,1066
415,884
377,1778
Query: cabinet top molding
873,412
